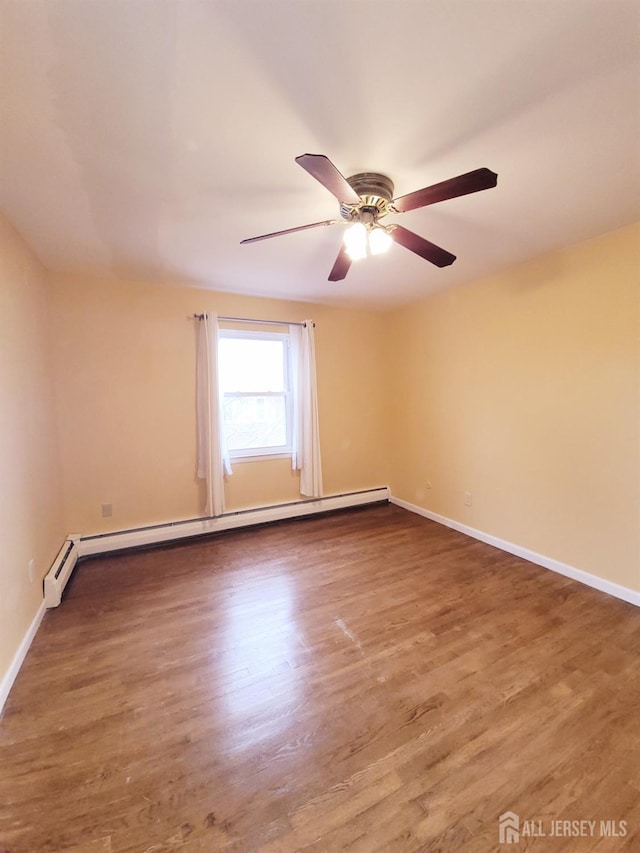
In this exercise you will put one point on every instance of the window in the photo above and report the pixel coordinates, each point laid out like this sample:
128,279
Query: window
256,389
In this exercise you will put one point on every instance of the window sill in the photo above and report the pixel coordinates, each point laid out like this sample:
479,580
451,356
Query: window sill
262,457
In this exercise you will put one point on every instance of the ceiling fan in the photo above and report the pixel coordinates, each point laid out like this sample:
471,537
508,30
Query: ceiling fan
366,198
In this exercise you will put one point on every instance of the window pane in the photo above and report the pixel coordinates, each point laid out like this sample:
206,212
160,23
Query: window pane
251,365
255,422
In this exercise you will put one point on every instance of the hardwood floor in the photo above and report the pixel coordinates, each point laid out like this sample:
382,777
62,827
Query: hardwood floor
363,681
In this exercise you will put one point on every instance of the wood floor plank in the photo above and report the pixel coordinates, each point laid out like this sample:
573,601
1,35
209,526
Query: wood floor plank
360,681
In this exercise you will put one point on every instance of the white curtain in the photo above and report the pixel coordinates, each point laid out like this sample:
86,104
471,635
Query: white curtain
306,433
213,457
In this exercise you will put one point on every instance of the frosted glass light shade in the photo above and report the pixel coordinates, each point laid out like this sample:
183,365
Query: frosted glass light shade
355,239
379,241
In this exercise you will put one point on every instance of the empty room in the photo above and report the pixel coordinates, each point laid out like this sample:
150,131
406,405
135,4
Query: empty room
319,425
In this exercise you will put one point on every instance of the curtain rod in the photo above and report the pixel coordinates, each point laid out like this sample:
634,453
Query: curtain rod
249,320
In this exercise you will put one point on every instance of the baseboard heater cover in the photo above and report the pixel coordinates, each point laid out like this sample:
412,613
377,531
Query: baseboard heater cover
58,575
172,531
77,546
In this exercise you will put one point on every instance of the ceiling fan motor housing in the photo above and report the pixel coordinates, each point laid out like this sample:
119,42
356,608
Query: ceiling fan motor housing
376,194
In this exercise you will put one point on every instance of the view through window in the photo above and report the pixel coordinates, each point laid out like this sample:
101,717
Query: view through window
256,388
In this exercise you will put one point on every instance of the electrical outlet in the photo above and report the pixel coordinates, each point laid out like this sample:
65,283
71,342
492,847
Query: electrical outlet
107,510
32,570
468,500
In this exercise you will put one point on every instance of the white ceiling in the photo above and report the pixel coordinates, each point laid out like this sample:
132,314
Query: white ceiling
148,137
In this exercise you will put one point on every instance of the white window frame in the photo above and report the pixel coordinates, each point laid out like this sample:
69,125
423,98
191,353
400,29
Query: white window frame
282,451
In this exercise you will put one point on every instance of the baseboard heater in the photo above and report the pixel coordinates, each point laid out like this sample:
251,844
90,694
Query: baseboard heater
58,575
85,546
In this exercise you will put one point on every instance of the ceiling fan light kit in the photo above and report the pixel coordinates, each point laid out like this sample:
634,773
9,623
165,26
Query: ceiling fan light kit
366,198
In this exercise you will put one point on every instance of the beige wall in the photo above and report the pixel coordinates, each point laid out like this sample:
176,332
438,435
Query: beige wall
30,509
125,366
524,390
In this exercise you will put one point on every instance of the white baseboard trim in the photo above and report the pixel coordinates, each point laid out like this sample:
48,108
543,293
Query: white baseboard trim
172,531
14,667
611,588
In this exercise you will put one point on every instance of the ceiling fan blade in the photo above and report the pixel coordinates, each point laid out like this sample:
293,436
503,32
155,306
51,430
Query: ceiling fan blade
472,182
341,266
420,246
323,170
288,231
